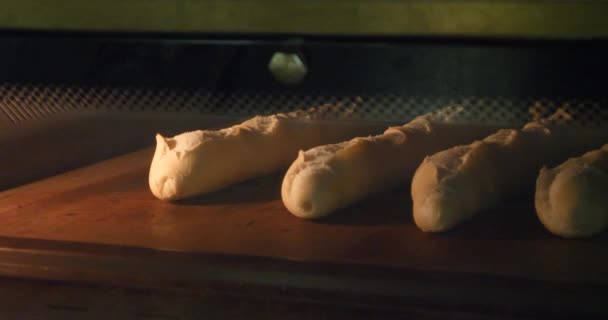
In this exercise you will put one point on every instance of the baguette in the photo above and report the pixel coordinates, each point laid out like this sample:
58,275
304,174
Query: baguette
453,185
326,178
200,161
572,199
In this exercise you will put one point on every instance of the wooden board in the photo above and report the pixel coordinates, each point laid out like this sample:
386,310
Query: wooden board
101,223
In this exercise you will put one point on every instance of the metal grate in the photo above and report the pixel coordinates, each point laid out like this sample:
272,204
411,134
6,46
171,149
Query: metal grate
24,102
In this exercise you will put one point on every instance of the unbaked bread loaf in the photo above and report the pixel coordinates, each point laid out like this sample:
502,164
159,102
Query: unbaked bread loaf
202,161
329,177
572,199
453,185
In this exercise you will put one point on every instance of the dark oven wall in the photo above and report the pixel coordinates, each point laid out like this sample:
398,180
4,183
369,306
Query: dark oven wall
71,99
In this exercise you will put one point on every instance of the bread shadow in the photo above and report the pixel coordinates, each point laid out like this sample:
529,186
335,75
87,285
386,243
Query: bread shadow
514,219
261,189
392,207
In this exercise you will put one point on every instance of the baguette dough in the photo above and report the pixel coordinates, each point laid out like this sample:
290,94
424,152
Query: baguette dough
453,185
572,199
326,178
203,161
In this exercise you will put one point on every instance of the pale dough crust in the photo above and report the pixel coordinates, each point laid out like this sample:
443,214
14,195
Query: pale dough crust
329,177
203,161
455,184
572,199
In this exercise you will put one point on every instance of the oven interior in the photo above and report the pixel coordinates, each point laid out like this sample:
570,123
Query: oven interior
78,115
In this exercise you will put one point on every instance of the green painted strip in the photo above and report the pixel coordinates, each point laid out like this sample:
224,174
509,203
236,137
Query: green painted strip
519,19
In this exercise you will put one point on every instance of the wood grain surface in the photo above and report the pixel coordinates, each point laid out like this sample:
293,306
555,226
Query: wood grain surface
108,205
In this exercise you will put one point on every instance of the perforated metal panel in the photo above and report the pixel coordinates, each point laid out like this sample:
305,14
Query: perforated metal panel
20,103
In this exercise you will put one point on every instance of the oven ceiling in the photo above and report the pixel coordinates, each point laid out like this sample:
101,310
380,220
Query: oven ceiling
539,19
